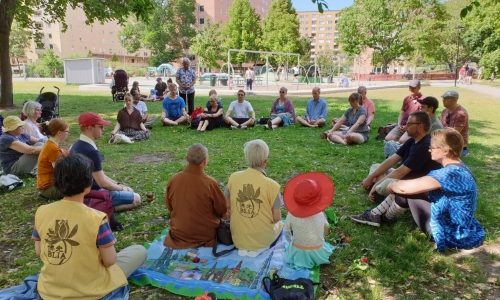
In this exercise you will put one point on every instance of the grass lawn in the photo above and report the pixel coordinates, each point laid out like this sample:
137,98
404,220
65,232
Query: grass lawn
402,261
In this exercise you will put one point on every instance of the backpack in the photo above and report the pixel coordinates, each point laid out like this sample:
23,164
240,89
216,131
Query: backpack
101,200
383,131
287,289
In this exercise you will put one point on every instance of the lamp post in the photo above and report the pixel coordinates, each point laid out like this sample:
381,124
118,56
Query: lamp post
459,28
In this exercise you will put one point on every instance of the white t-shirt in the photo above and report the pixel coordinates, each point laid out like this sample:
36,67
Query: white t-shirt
142,108
308,231
240,110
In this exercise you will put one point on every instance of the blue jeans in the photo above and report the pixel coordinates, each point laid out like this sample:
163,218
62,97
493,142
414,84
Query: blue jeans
122,197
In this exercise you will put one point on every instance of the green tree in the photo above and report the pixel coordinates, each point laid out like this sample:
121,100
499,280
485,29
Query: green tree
482,34
20,40
280,31
168,34
383,25
49,65
55,11
207,45
243,30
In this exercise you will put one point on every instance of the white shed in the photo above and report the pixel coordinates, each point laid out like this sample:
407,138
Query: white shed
84,70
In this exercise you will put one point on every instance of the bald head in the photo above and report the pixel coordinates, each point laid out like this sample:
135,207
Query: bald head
316,91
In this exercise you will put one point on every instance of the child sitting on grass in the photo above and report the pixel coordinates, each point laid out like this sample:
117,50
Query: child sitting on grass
75,242
306,197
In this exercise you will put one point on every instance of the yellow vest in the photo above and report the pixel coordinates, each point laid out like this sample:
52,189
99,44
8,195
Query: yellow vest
72,267
252,198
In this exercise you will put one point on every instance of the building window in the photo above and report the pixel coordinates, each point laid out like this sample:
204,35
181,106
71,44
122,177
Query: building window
50,35
133,60
202,21
202,8
51,46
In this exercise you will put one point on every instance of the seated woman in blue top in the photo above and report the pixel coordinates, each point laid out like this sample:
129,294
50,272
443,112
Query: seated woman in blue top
449,217
282,111
352,127
213,116
174,108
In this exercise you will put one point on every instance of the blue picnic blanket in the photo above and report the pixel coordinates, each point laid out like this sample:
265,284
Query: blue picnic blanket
192,272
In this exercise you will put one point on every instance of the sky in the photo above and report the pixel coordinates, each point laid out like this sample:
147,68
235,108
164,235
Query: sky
307,5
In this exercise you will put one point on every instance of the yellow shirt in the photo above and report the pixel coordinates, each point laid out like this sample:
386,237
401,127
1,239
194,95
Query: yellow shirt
252,197
72,267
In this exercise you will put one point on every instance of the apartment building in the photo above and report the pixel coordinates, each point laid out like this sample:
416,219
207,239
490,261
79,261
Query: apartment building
321,28
217,11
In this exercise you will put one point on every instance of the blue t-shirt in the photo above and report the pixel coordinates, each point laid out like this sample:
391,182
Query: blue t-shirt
173,107
8,157
93,154
316,110
417,158
452,211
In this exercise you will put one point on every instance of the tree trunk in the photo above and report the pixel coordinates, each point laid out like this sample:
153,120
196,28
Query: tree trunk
7,8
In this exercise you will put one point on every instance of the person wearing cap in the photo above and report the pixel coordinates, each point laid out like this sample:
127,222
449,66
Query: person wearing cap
306,196
91,129
316,111
160,88
254,203
410,105
415,161
455,116
18,151
195,213
186,78
429,105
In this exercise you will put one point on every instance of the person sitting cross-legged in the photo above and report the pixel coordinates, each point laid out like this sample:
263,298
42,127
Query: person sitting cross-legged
240,114
213,116
355,130
455,116
174,108
76,244
129,122
91,129
195,213
282,111
316,111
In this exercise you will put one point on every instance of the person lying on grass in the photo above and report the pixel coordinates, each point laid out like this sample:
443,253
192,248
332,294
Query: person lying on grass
75,242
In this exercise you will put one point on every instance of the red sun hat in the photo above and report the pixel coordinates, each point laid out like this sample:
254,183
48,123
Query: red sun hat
308,194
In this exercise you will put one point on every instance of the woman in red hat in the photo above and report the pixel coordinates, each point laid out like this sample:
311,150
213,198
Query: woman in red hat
306,197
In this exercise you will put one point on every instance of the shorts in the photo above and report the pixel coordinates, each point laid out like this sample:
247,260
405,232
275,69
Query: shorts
241,120
122,197
363,134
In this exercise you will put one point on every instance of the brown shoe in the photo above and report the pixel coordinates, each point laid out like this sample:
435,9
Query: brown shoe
323,135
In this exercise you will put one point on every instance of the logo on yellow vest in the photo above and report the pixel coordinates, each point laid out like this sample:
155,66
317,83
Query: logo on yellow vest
59,247
248,201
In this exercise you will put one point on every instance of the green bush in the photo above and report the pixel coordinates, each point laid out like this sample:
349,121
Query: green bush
49,65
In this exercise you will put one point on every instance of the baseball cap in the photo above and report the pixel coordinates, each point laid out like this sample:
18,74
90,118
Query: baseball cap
414,83
92,119
450,94
429,101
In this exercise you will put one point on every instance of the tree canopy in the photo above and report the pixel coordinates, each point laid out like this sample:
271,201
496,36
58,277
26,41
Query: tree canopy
207,45
243,30
55,11
280,31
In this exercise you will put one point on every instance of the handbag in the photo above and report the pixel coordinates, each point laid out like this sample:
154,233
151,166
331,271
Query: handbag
289,289
223,236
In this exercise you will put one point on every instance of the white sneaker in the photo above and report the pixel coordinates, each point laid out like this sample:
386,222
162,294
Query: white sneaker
234,127
243,127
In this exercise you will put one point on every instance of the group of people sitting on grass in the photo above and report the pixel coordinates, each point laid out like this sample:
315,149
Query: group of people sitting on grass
424,176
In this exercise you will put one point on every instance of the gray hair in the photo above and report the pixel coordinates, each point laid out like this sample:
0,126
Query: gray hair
30,107
256,153
362,89
197,153
185,59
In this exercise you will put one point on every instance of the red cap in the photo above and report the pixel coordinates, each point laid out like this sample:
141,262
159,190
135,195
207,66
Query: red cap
92,119
308,194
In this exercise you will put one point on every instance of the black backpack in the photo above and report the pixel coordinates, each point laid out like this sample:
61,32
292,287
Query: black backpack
287,289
